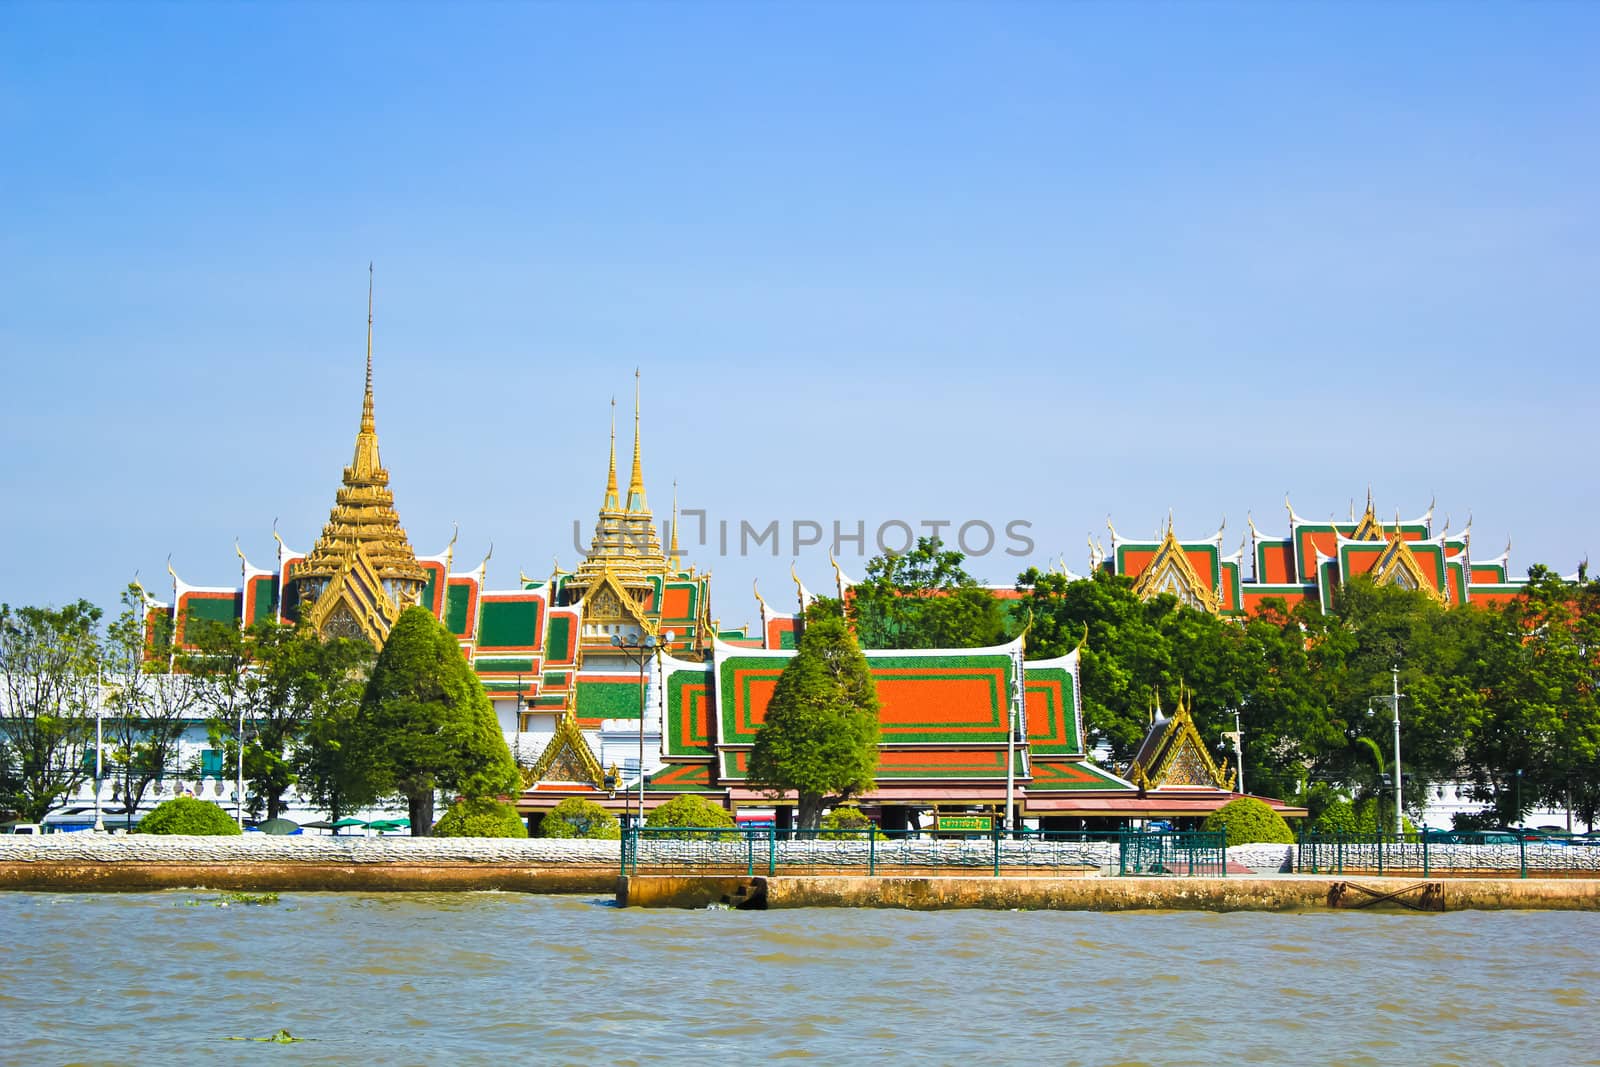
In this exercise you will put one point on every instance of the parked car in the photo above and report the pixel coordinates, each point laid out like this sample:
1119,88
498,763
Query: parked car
26,828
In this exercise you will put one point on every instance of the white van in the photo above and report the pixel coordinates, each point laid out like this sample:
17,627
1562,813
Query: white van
29,828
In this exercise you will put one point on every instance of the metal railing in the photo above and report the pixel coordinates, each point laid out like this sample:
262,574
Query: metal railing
1463,854
875,853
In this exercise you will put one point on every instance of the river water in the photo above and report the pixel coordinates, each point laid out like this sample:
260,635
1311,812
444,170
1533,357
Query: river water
170,978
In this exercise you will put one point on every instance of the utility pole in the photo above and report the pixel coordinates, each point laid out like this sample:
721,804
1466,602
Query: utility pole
1018,694
1395,697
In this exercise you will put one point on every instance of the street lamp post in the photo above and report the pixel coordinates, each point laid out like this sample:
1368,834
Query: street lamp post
640,651
99,745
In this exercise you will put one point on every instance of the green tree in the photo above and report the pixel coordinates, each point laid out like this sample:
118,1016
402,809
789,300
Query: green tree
331,770
1539,717
220,658
481,817
690,811
820,737
299,678
577,817
426,724
189,815
924,599
148,707
49,671
1134,653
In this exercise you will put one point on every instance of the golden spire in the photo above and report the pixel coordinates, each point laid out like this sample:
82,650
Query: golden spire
672,553
366,461
636,500
368,423
363,521
611,503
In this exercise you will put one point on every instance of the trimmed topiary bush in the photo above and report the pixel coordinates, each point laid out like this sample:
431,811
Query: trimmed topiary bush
480,817
1247,821
690,810
576,817
849,818
189,815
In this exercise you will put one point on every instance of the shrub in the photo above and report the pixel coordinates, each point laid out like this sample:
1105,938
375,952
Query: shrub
1248,820
480,817
189,815
576,817
848,818
690,810
1338,817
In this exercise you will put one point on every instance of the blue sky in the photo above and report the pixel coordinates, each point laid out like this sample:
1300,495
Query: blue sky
1038,262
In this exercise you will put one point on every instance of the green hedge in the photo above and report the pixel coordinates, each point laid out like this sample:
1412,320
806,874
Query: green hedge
189,815
576,817
480,817
1248,821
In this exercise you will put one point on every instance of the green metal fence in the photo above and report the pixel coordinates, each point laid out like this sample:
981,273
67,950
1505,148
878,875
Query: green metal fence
1489,854
1186,853
872,853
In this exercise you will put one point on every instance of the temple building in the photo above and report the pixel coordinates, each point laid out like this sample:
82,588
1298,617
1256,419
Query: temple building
619,670
1309,564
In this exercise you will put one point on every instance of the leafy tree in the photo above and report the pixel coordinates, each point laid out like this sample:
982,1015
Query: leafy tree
577,817
283,678
1539,717
481,817
189,815
299,679
49,686
924,599
331,770
220,657
1247,821
691,811
148,707
820,737
1134,653
426,725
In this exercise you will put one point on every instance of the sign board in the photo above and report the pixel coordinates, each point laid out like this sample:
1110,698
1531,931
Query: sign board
963,824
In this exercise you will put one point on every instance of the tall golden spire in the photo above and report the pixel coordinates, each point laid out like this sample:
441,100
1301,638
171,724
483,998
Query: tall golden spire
672,553
366,461
610,503
636,501
368,423
363,544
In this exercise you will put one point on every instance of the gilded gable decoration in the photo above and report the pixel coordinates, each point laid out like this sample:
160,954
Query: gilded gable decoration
1173,755
1398,565
1171,572
568,758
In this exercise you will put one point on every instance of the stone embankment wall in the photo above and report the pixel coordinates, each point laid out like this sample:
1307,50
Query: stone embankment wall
1234,893
104,862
